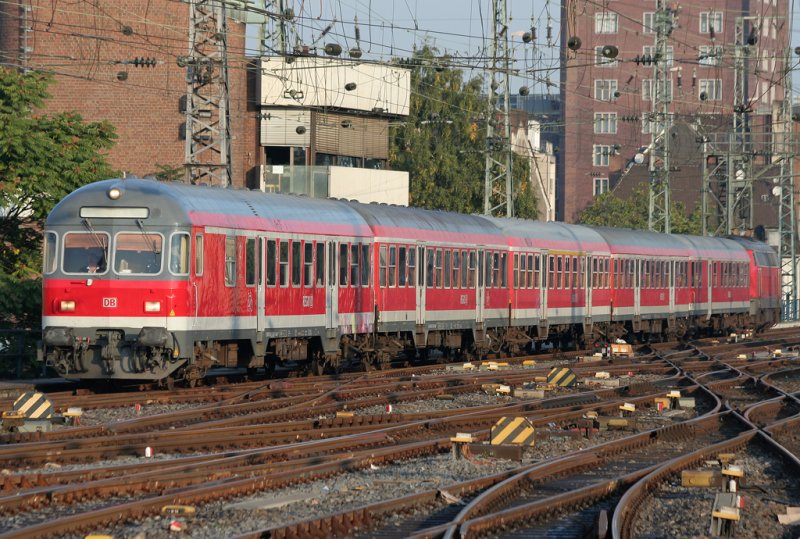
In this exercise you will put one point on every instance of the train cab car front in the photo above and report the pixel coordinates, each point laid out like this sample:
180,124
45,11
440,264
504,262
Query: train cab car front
113,277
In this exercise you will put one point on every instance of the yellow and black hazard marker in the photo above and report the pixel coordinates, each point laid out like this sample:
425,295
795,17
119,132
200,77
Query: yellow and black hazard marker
512,430
33,405
562,377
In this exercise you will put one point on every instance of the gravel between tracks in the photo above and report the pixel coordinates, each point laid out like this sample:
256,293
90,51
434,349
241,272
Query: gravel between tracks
675,511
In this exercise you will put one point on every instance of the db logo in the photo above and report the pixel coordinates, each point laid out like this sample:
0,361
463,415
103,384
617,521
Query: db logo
110,303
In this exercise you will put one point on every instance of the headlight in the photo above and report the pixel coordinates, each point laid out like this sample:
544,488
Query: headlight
66,305
152,306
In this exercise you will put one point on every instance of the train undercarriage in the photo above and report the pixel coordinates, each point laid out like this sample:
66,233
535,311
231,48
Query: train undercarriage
153,354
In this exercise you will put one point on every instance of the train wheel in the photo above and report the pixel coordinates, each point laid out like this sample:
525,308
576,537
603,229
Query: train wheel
317,367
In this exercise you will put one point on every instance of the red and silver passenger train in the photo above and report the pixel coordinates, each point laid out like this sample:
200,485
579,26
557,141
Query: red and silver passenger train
145,280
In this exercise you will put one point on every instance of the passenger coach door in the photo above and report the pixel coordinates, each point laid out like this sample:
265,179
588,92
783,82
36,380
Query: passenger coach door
422,263
480,289
543,286
261,302
637,290
332,291
671,283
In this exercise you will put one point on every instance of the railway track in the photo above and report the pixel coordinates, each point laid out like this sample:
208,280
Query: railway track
281,436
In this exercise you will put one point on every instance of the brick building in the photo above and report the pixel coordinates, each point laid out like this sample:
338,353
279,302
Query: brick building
606,101
91,48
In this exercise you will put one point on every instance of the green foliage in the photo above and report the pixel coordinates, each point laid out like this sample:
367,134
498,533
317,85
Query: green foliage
168,173
632,212
442,143
42,159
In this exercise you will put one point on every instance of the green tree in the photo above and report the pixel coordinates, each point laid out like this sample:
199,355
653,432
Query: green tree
42,159
442,142
609,209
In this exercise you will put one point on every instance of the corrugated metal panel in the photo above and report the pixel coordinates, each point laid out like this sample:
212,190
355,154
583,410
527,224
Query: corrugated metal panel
279,128
358,136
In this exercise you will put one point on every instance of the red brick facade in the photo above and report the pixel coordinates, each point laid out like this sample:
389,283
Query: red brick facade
628,26
84,44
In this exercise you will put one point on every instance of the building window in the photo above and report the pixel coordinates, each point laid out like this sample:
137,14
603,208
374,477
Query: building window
606,23
648,87
600,186
604,89
648,124
710,20
650,51
605,123
712,89
600,153
601,60
710,55
648,22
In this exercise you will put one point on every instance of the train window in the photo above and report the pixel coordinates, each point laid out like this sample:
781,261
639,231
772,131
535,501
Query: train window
343,264
488,273
429,267
250,261
412,265
471,270
271,261
448,267
551,271
320,264
296,262
559,271
456,267
50,257
382,265
85,252
138,252
365,265
537,269
606,273
528,277
230,261
437,265
308,264
518,263
504,270
198,254
496,267
402,267
354,265
283,263
392,265
179,254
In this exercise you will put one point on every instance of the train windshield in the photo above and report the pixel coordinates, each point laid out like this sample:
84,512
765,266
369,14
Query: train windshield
85,252
137,252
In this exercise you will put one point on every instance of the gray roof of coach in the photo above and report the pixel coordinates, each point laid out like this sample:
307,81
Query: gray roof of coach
386,215
182,199
550,230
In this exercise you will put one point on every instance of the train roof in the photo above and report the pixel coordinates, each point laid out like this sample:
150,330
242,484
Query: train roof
179,204
551,235
401,222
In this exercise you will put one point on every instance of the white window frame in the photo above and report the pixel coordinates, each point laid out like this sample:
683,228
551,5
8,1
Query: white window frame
647,90
601,154
606,23
600,186
647,123
650,50
709,19
649,26
605,123
602,61
605,87
710,55
712,88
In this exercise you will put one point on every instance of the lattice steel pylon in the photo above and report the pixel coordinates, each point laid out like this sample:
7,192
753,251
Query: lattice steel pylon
498,148
661,94
208,137
787,224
